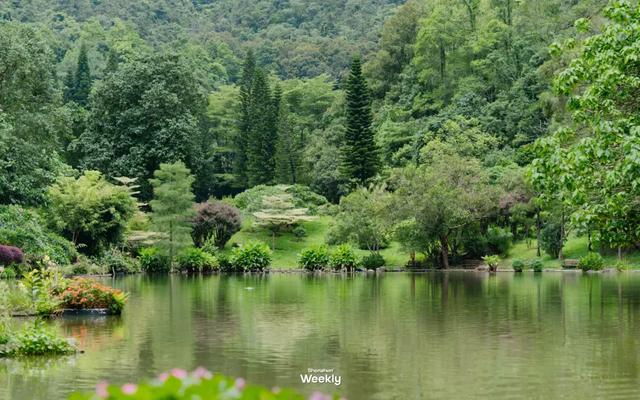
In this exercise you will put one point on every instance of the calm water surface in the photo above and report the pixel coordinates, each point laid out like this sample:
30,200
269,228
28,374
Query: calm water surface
449,335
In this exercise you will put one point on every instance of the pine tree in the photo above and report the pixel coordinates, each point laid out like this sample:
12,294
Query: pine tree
69,86
261,143
288,149
359,152
112,62
82,78
244,126
172,206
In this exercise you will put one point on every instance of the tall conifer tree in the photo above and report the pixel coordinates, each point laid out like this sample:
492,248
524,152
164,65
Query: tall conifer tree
359,152
263,136
244,123
288,148
82,79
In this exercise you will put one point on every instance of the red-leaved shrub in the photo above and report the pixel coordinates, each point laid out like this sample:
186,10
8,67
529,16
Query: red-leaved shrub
81,294
10,255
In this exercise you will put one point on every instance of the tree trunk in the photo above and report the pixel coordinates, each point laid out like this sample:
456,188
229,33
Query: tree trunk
444,251
538,229
561,253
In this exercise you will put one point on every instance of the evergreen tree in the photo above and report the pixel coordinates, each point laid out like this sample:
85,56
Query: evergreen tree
359,152
261,144
69,86
173,206
288,149
112,62
244,126
82,78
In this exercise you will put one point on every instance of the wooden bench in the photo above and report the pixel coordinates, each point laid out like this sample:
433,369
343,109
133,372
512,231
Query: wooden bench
569,263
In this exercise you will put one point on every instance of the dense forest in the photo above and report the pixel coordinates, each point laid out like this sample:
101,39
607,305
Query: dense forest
451,127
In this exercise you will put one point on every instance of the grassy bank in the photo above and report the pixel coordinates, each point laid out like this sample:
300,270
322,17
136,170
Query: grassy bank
287,246
575,248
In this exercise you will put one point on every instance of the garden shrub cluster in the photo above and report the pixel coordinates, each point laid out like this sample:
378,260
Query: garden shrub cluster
10,255
116,262
179,384
25,229
315,258
591,262
492,262
343,258
152,260
193,259
518,265
373,260
34,340
251,257
82,293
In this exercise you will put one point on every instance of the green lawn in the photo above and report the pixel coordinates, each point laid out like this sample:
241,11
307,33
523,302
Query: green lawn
575,248
287,246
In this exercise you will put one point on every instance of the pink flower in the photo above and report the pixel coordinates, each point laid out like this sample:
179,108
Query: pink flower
275,389
240,384
319,396
129,388
179,373
101,389
163,376
201,373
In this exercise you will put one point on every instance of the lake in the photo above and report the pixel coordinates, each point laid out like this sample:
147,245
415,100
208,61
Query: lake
440,335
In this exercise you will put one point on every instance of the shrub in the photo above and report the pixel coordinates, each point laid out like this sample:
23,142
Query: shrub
302,197
492,262
10,255
343,257
299,232
199,384
253,256
215,220
25,229
225,262
591,262
193,259
536,265
517,265
116,262
498,240
85,265
551,239
372,261
315,258
37,340
8,273
91,211
83,294
622,266
153,261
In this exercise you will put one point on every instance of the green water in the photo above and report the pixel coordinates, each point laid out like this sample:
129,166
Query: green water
450,335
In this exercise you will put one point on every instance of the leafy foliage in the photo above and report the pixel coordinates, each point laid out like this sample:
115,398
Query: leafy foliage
591,262
551,240
372,260
343,258
316,258
518,265
82,293
36,340
193,259
492,262
152,260
217,221
172,206
251,257
25,229
90,211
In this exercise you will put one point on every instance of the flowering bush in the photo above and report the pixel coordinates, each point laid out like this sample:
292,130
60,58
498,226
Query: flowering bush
199,384
83,293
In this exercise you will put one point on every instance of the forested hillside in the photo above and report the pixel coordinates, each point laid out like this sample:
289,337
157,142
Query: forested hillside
451,127
297,38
